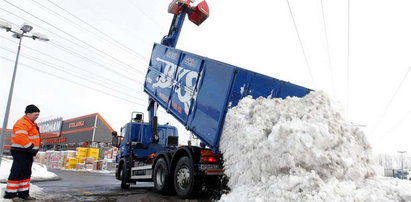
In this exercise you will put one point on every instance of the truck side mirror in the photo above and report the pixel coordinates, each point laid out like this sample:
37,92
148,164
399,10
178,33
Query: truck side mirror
114,140
172,141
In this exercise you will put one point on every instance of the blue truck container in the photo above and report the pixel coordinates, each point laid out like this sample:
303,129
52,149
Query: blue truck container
198,91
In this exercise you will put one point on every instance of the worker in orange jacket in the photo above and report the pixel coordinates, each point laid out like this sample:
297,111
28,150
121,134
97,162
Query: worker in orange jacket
25,143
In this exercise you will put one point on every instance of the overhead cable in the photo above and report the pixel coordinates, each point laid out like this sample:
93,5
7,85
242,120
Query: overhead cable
95,62
80,68
81,76
87,44
66,39
348,61
396,125
384,112
79,84
98,33
101,32
328,49
302,46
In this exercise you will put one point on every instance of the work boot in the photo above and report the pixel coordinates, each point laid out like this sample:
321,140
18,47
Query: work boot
10,195
29,198
17,199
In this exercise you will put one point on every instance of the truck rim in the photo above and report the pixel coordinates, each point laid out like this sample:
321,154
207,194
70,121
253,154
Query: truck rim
183,177
160,177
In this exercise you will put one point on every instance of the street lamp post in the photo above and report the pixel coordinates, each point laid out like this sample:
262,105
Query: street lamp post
402,163
19,34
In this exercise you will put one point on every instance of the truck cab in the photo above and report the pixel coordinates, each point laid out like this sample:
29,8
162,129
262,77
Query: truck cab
138,148
139,135
145,154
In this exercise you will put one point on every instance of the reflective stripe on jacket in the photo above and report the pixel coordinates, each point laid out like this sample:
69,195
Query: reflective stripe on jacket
25,136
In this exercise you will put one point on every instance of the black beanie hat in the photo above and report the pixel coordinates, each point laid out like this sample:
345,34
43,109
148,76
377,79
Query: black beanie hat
31,109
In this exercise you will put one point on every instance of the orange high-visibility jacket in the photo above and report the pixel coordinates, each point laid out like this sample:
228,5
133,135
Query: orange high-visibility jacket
25,136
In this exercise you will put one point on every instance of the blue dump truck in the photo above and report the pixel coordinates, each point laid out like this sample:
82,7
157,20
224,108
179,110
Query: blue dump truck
198,92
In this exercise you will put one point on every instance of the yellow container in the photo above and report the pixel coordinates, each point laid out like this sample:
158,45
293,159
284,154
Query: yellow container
82,152
70,163
93,152
81,159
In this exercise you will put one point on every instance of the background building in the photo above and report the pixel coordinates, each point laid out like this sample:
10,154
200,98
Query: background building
84,131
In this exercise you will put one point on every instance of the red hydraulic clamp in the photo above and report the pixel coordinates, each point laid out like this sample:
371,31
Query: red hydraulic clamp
196,14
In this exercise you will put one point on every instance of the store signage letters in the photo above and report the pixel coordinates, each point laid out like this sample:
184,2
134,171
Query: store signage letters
76,124
56,140
50,128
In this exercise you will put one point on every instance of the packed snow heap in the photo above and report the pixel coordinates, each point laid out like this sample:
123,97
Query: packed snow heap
300,149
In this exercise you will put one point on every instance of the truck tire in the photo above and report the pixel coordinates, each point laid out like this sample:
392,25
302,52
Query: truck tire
123,177
185,183
161,177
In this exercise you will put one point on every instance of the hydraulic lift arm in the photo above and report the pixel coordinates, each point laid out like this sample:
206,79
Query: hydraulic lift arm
180,8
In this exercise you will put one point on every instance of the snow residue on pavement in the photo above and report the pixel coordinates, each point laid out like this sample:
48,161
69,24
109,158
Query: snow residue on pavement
35,191
300,149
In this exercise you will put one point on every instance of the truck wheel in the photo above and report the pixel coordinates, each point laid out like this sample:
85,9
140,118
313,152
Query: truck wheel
123,177
184,178
161,177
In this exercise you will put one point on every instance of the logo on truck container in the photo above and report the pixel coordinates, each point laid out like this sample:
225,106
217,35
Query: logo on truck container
184,82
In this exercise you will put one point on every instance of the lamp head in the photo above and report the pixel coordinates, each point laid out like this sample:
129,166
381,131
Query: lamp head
5,25
17,34
40,37
26,28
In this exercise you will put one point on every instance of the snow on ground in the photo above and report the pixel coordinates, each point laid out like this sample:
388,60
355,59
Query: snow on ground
300,149
39,172
35,191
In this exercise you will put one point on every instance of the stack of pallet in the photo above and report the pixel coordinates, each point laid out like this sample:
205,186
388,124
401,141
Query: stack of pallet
86,158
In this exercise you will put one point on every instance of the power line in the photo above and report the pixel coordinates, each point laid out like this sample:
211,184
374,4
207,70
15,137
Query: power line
71,65
328,48
84,77
397,123
144,13
66,40
151,19
87,44
384,112
88,59
348,58
82,85
79,84
73,52
302,46
96,33
56,14
93,27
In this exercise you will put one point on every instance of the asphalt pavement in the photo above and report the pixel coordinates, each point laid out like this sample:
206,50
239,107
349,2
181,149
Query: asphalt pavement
91,186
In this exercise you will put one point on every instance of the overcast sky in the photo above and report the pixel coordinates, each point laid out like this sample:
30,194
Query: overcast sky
98,54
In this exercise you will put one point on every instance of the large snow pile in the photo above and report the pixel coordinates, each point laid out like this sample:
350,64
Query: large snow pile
300,149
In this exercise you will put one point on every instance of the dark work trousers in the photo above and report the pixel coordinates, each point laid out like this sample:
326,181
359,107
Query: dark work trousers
18,183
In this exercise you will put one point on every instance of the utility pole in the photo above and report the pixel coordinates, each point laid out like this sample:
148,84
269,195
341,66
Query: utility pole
402,163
